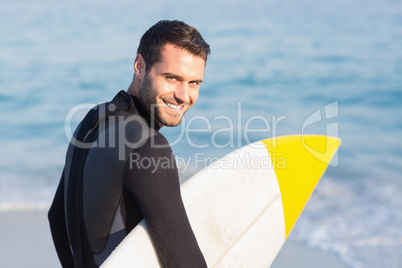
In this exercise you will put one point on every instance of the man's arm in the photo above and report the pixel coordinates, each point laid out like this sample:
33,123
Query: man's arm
152,179
58,227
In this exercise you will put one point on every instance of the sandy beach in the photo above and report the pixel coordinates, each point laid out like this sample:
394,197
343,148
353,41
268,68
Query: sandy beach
26,242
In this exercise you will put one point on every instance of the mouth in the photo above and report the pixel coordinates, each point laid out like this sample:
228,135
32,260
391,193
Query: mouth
172,106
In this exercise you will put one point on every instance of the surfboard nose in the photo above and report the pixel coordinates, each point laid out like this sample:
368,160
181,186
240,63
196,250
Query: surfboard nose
299,162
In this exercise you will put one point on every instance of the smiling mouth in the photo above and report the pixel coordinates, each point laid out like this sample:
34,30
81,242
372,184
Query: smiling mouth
173,106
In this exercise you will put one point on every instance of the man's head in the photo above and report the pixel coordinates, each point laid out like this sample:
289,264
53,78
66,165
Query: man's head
169,69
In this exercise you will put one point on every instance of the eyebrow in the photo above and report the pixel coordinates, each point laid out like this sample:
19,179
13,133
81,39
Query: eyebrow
180,77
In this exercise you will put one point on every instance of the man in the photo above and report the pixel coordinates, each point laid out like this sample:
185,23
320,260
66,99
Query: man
119,169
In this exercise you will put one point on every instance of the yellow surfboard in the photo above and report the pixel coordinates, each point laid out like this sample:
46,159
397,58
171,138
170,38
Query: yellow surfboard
243,207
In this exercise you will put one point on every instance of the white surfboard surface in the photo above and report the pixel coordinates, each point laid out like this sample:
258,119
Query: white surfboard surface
242,207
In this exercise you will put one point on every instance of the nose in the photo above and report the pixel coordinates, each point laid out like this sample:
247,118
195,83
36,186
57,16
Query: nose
182,93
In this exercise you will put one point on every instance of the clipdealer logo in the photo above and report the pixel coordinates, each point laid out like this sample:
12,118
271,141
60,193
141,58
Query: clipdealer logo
233,129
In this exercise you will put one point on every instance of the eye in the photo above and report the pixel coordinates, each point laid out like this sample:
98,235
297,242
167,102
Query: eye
171,78
195,83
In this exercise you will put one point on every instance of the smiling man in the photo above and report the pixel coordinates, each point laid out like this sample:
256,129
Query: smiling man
120,169
170,87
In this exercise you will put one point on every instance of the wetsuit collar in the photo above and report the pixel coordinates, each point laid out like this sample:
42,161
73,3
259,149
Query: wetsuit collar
133,101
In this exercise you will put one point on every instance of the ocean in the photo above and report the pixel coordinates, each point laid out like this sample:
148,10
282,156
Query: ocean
276,68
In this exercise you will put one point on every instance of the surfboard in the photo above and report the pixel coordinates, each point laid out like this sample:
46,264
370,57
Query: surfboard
243,206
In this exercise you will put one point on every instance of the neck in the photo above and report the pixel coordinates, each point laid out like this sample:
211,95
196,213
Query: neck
134,88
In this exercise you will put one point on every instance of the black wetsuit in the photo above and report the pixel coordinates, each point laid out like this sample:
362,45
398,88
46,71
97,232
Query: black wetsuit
119,169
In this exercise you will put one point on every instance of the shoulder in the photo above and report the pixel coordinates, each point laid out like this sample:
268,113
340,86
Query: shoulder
152,159
153,144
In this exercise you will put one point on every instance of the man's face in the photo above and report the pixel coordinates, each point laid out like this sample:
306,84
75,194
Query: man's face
172,85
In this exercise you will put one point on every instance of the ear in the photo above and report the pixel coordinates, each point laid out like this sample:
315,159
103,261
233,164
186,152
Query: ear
139,66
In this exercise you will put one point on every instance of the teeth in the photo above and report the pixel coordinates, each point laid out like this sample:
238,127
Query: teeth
174,106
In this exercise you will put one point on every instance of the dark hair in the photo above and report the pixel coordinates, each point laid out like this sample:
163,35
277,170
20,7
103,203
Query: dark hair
173,32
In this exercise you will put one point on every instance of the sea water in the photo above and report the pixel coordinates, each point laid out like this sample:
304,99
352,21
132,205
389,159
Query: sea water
276,68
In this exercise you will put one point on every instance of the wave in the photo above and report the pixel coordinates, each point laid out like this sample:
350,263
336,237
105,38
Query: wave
24,206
